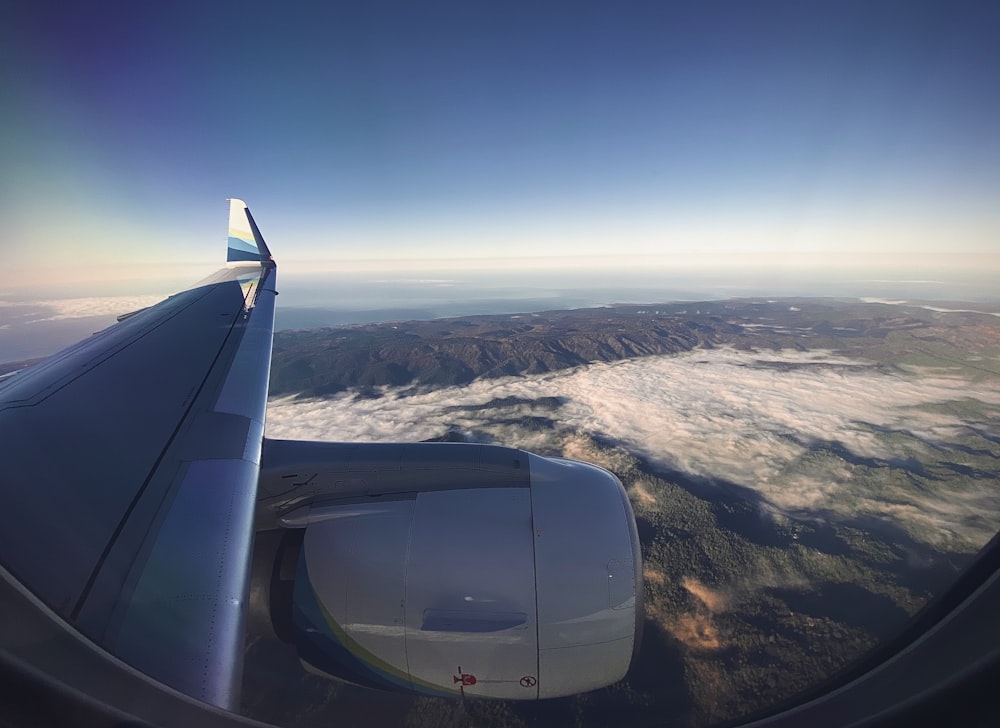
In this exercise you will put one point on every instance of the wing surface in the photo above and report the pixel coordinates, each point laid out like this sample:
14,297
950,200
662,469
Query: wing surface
129,474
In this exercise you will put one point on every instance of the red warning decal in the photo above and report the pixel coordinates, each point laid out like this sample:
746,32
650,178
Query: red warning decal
528,681
462,679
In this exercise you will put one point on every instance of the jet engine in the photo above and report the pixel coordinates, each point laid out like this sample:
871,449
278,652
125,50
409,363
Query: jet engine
448,569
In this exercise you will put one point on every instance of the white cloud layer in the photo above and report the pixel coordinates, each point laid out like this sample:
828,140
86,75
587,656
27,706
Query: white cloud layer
741,417
56,309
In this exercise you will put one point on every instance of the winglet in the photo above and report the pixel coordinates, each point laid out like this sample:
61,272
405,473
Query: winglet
245,240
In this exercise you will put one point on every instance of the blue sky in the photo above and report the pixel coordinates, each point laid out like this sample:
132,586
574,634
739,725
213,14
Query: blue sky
700,131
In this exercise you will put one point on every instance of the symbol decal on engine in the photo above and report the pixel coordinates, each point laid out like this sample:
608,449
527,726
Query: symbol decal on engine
463,679
528,681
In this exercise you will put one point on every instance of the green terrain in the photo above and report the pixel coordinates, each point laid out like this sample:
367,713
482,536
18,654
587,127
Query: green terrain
747,605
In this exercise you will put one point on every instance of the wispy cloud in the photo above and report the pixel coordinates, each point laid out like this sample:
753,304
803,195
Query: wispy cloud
936,309
434,282
56,309
802,429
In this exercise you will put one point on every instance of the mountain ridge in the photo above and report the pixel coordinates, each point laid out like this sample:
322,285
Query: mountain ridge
459,350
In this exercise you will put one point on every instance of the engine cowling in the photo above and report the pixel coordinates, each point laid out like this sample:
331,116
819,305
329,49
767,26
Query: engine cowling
524,583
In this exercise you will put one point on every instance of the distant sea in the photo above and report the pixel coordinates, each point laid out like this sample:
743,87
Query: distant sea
32,327
332,299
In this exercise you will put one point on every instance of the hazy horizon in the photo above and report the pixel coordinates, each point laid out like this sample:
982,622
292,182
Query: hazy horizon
36,323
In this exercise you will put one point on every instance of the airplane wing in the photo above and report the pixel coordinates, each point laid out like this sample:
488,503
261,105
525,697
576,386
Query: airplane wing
129,476
130,466
131,469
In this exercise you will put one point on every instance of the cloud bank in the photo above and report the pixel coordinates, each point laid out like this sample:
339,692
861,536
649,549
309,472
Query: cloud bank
805,430
57,309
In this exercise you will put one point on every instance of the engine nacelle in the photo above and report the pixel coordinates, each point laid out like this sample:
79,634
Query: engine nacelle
454,570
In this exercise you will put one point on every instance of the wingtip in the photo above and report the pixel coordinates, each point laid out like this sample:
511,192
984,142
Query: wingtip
245,243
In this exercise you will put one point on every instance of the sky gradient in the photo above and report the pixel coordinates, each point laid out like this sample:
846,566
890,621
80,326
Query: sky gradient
387,131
